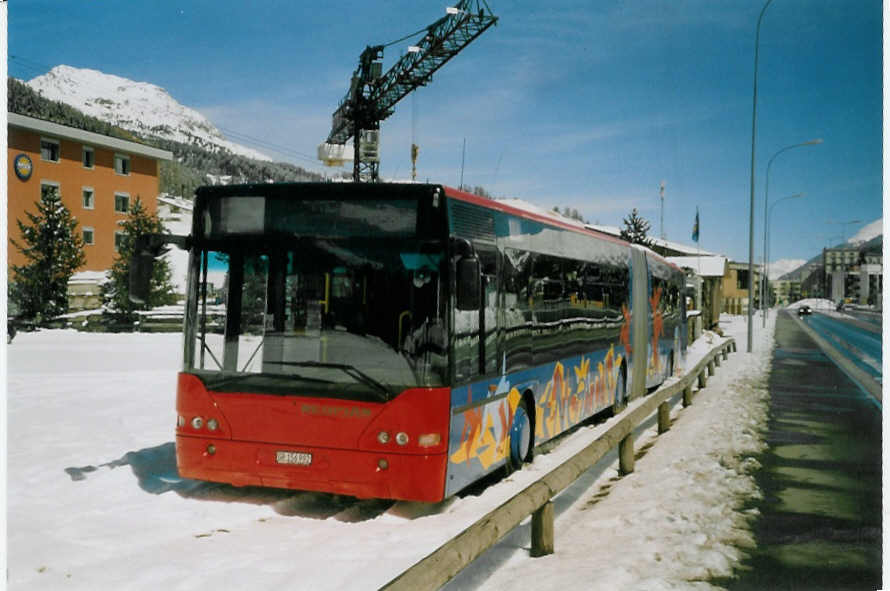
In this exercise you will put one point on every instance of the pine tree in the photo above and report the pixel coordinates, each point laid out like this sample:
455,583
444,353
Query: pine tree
115,292
636,229
54,250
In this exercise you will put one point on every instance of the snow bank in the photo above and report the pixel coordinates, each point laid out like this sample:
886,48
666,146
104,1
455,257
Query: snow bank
677,520
94,500
814,303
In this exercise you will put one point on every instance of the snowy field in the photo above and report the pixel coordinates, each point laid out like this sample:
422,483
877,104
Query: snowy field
94,501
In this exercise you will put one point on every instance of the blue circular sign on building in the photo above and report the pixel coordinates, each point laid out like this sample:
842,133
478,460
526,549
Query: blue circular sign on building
23,166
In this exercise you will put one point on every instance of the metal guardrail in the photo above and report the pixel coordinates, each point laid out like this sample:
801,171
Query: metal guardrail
536,499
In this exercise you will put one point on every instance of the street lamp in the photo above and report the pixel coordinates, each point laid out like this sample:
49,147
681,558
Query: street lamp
751,215
766,248
844,227
763,290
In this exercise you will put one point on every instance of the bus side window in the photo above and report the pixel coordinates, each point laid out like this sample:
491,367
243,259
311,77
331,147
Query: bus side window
516,329
488,260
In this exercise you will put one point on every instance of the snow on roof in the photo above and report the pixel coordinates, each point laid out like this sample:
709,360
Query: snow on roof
174,201
536,209
88,277
704,266
659,242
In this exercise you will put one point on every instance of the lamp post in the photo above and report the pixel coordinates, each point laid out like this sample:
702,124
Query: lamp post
751,215
763,290
766,248
844,227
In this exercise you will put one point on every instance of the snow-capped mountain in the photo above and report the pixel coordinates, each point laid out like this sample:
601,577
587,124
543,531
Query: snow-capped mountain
868,231
137,106
784,266
862,239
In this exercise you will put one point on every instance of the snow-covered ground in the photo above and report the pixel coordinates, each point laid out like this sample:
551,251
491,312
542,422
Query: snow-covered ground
814,303
94,500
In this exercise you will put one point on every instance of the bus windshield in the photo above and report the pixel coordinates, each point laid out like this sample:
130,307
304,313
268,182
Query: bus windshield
351,317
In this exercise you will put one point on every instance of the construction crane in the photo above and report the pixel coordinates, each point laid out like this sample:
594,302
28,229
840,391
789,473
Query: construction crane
373,95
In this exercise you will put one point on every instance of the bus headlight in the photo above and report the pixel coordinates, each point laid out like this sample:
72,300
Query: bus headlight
197,423
383,437
401,438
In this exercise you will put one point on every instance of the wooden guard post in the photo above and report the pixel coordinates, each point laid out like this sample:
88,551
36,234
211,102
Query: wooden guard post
664,417
542,530
687,395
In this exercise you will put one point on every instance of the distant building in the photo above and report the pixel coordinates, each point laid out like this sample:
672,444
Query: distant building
98,178
871,275
785,291
854,274
735,288
706,274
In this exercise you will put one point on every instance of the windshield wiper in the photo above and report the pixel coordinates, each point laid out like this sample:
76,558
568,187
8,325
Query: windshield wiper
350,370
234,379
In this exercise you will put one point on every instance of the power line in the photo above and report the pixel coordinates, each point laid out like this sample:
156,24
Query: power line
243,137
31,65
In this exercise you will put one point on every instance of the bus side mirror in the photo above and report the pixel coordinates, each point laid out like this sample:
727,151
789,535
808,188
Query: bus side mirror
146,248
142,264
469,284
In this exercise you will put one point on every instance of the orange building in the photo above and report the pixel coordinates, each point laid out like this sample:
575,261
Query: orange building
98,177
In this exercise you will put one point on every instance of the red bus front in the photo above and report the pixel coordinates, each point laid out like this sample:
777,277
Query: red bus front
394,449
316,340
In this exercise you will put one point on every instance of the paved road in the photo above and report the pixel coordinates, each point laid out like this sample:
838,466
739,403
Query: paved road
858,341
820,523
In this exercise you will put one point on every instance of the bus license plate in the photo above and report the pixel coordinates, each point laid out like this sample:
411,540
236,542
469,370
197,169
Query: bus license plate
296,458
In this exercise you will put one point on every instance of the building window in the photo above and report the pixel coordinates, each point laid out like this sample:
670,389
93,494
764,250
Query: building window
89,157
88,236
49,150
88,198
122,164
741,279
46,186
120,239
121,202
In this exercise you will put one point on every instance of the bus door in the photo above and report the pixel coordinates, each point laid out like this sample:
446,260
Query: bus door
475,331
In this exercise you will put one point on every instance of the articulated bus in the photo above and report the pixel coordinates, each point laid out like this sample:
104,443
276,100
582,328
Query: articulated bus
403,340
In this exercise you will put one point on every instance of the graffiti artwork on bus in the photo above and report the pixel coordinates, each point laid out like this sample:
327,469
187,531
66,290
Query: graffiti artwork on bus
566,400
657,329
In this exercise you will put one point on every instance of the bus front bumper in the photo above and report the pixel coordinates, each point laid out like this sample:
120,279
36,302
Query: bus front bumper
362,474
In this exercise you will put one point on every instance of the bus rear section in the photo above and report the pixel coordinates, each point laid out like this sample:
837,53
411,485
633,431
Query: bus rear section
395,449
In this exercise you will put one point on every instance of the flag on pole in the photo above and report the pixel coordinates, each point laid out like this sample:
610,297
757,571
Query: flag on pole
695,226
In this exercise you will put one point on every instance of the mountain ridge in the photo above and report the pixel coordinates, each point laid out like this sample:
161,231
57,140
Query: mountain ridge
142,107
194,164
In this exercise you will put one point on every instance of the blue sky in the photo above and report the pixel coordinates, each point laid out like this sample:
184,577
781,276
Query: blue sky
583,104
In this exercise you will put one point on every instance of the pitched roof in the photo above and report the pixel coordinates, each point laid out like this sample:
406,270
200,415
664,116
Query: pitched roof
87,137
704,266
658,242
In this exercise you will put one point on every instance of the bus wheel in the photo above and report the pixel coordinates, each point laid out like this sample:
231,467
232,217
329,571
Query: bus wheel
620,393
520,437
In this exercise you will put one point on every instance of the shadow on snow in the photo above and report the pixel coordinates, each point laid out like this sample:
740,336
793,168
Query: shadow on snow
156,473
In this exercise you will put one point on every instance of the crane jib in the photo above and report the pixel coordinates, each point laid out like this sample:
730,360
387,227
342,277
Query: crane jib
372,96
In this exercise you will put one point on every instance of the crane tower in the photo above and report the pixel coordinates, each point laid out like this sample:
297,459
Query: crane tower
373,94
